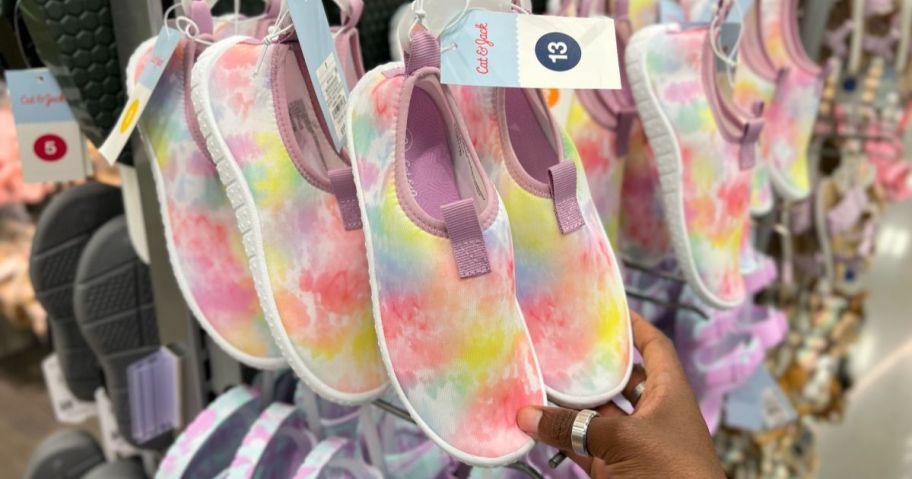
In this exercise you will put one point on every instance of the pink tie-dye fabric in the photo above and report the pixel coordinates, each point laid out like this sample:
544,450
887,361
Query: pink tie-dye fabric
458,349
714,196
204,243
317,290
565,283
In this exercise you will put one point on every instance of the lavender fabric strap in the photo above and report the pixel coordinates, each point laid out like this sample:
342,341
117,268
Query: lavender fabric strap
465,234
342,183
201,16
563,190
748,155
625,120
424,52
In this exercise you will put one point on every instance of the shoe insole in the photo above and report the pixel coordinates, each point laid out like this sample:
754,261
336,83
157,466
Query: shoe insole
115,309
528,135
428,163
62,232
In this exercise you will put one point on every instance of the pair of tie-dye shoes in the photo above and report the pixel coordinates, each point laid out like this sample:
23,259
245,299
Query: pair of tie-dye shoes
271,230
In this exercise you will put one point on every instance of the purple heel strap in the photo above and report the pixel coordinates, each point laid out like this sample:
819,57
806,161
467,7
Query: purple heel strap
625,119
342,184
466,237
201,16
563,189
846,213
748,155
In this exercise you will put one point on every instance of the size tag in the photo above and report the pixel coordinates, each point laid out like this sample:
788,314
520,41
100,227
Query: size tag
758,405
67,409
113,443
51,146
323,65
497,49
167,42
154,391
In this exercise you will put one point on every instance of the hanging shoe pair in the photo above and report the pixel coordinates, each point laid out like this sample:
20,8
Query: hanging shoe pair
488,260
705,148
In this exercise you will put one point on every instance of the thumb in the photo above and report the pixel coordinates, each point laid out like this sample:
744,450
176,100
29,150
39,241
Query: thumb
553,426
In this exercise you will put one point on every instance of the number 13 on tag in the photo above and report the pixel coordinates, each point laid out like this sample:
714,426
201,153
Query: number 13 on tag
499,49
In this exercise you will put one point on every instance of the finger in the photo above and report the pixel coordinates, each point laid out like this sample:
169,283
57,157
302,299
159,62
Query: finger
611,410
553,426
637,377
657,350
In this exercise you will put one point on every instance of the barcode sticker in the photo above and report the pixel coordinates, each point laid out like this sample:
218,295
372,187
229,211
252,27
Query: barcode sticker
333,87
323,65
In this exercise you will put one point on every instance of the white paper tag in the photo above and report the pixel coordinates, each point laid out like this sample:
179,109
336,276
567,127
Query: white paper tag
498,49
112,441
67,408
167,42
51,146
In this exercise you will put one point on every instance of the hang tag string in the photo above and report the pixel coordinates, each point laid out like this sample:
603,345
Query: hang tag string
720,12
457,19
274,33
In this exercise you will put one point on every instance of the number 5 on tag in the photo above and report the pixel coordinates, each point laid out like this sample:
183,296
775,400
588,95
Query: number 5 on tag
167,42
51,146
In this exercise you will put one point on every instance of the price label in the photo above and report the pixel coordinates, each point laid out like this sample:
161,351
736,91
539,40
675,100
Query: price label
67,408
498,49
51,146
158,60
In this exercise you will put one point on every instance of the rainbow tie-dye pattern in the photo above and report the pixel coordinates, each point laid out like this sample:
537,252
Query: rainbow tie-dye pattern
459,351
643,236
707,210
604,169
311,272
569,286
204,243
751,88
790,117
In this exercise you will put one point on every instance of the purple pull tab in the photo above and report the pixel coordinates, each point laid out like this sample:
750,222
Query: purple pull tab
563,190
748,155
622,133
201,16
342,183
466,237
424,51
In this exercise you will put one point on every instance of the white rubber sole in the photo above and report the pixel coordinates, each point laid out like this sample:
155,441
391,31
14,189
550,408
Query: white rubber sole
176,266
241,199
667,152
357,91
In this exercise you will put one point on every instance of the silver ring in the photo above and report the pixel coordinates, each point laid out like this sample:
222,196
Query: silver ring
580,430
637,393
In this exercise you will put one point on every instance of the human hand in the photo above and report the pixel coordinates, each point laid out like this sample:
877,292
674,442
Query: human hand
664,437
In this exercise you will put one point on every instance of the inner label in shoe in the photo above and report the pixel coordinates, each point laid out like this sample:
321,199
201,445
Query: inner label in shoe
497,49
